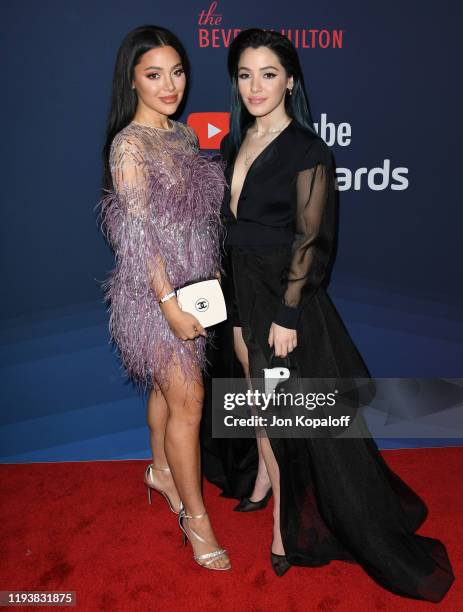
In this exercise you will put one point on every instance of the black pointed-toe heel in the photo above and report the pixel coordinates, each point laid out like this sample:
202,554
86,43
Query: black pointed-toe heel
279,563
246,505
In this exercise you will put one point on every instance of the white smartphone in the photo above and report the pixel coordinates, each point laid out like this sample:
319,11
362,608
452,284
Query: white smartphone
273,376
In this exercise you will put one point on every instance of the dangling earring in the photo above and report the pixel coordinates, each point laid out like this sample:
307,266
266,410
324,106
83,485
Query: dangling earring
290,91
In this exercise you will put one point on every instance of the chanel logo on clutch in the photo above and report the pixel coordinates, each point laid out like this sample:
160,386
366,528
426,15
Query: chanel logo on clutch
204,300
201,305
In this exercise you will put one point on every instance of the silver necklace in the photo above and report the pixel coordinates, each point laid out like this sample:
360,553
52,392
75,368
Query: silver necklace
248,159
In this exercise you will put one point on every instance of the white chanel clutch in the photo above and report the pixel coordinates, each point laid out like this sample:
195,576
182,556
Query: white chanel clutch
204,300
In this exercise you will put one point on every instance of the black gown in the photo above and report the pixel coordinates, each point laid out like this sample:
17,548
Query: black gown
339,499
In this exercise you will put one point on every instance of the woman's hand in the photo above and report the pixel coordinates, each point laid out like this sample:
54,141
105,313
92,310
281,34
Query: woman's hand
282,339
184,325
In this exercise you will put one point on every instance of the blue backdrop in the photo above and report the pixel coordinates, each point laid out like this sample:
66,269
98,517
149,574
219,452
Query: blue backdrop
391,83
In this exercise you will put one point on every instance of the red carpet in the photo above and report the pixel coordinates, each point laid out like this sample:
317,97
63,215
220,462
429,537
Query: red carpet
87,527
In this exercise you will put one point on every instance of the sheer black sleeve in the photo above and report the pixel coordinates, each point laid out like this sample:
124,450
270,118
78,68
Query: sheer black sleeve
314,232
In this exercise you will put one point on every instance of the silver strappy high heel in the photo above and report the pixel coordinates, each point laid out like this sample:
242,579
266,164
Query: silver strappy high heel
207,558
148,479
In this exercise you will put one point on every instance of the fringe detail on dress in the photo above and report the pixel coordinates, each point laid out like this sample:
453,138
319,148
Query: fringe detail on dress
178,225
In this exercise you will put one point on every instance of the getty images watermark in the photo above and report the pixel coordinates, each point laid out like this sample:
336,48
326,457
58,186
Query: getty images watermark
263,401
286,407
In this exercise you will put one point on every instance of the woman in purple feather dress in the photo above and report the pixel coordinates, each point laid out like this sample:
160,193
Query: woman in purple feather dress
161,216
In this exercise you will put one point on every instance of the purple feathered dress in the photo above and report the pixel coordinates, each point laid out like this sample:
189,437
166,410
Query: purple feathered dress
162,220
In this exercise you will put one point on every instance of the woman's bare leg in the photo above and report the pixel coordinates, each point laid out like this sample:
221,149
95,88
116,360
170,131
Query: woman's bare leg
262,483
268,470
274,475
157,415
184,400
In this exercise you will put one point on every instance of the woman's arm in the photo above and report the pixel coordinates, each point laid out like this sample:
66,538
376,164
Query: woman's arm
129,222
132,230
312,245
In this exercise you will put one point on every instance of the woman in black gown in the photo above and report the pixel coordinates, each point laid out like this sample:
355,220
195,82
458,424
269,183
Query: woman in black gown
334,498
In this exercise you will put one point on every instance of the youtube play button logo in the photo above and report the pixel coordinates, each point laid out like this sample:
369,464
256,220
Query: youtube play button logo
210,128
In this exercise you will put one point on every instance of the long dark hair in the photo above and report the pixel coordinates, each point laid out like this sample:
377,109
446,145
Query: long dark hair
124,99
296,105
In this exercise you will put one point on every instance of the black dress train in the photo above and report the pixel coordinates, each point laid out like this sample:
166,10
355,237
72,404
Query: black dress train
339,499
